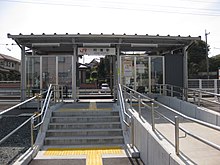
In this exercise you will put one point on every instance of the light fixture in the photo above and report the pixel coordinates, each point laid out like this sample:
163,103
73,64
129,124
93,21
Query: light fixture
145,45
45,44
96,44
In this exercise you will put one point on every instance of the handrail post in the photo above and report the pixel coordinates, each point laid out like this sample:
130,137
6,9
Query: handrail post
152,117
132,131
125,96
62,93
171,91
131,100
32,132
160,87
194,97
177,135
139,105
199,98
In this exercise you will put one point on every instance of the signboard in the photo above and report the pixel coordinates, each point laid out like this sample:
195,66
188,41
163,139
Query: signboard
96,51
127,68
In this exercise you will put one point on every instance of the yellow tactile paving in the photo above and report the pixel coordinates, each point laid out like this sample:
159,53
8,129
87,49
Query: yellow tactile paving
93,155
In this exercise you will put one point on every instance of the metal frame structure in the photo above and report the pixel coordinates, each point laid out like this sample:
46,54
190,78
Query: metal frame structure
68,44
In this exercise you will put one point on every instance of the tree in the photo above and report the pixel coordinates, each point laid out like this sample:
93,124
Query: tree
197,59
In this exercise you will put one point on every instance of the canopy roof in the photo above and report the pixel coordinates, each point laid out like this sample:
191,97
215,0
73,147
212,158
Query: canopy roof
64,43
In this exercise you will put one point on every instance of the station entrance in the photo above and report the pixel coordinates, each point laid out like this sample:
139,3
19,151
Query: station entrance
55,59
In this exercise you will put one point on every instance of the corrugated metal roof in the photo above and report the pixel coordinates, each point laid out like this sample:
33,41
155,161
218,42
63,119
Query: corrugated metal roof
63,43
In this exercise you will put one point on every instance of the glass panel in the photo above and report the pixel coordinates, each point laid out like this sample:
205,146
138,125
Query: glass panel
156,71
65,73
127,71
33,75
48,71
142,71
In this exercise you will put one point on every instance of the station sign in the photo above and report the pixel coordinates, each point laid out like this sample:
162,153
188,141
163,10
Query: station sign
96,51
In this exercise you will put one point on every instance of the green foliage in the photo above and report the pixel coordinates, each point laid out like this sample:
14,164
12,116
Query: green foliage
197,59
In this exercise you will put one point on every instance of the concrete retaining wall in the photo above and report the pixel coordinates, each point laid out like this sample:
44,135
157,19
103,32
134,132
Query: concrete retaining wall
191,110
153,148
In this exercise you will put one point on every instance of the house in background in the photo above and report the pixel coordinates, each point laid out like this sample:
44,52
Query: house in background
9,68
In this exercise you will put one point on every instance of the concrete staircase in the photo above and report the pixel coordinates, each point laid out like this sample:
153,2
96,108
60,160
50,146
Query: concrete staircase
83,128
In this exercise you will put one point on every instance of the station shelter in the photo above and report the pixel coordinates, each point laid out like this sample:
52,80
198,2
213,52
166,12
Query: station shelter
138,61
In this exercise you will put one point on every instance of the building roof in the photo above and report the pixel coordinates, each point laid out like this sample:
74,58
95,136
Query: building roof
64,43
6,57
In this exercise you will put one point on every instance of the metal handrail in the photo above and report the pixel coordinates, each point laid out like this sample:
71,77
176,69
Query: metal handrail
124,113
22,103
45,101
177,123
43,113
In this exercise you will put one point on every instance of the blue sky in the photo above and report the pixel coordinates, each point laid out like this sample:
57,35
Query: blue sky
174,17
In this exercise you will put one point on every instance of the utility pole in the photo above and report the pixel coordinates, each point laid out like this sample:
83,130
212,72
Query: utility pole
207,55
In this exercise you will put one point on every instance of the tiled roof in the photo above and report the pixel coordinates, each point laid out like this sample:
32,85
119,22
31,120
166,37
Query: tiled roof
6,57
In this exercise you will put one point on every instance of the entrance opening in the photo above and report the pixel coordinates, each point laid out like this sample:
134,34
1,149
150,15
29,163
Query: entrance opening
96,76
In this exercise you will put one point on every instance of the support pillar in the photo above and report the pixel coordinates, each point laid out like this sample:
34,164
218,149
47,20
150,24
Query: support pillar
149,75
118,69
135,73
23,74
114,78
185,72
74,60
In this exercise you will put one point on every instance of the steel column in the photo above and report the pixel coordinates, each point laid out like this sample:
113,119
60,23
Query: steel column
185,71
135,73
23,74
41,73
74,89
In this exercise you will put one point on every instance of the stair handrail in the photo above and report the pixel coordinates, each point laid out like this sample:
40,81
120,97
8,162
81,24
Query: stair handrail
45,106
122,106
17,105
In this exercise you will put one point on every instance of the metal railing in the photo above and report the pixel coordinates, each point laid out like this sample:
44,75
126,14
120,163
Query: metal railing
144,100
21,125
126,116
197,95
36,120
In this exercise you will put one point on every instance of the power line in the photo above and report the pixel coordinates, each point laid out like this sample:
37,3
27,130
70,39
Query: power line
125,8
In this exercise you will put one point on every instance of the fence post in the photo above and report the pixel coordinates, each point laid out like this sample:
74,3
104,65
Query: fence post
177,135
152,117
32,132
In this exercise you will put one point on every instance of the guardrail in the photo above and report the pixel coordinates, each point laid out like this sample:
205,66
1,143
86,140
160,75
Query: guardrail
143,100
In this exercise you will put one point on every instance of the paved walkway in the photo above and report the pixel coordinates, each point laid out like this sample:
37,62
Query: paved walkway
192,149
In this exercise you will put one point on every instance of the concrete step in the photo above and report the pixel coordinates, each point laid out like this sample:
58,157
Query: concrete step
84,140
86,113
83,132
82,119
89,125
